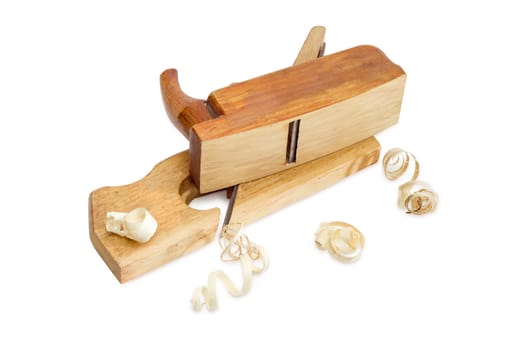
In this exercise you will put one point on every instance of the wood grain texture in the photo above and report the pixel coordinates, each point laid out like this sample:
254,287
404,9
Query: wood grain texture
312,48
261,197
165,192
313,45
339,99
183,110
291,92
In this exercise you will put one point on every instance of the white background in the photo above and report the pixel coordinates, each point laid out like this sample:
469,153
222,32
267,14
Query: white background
80,108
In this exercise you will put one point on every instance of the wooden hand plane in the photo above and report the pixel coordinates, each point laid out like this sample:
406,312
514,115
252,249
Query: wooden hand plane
361,95
271,123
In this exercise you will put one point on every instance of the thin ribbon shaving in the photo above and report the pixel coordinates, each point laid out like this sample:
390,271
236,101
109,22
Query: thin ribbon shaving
236,247
416,197
343,241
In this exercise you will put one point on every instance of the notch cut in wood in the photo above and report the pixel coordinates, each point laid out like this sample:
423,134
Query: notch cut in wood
165,192
293,131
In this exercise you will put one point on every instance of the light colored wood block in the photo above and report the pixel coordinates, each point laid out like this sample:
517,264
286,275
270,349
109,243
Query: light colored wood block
261,197
165,192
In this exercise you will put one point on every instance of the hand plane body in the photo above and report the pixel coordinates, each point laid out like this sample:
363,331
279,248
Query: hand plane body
286,118
277,138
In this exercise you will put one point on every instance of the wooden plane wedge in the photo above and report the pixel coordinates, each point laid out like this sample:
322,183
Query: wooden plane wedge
276,121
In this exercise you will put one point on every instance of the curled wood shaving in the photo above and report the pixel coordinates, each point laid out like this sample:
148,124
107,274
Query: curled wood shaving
396,162
416,197
236,247
138,225
343,241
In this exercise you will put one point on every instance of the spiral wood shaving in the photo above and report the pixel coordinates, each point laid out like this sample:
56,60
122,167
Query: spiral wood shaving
236,246
416,197
343,241
396,162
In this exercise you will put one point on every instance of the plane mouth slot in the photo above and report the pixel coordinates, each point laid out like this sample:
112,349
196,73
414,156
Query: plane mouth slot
291,148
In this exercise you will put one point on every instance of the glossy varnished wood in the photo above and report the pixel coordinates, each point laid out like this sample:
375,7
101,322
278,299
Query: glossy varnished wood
339,99
165,192
297,90
183,110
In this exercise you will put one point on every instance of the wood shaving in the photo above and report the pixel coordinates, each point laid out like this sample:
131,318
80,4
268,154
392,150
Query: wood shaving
343,241
416,197
236,247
